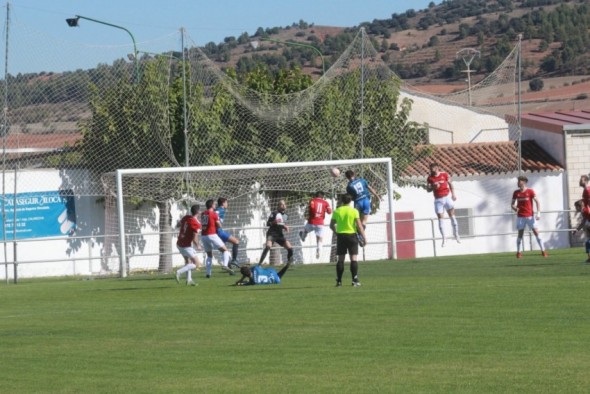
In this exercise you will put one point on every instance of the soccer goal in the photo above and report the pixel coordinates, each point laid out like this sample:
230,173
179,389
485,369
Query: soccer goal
253,192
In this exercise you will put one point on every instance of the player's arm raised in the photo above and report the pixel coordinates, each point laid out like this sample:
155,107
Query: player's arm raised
375,193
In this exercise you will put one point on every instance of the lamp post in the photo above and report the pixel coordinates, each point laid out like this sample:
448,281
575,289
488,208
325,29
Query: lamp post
73,22
468,55
295,43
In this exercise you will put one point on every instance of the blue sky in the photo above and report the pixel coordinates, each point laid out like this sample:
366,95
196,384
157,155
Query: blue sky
204,21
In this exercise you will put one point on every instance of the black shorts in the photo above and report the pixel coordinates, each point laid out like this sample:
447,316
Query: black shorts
276,237
347,243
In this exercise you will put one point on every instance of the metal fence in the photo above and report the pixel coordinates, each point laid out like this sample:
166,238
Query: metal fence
561,231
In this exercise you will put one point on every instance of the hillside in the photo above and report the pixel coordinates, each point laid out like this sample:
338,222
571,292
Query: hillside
421,46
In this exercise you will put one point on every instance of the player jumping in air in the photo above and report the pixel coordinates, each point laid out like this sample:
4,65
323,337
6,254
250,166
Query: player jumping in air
360,191
439,183
316,213
224,235
522,204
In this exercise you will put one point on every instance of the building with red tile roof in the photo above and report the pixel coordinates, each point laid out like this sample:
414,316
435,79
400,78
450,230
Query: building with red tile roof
485,158
565,135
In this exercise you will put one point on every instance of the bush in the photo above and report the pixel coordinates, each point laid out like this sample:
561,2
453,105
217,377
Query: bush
536,84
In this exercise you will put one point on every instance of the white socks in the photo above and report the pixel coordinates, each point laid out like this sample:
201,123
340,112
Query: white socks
208,264
188,268
226,258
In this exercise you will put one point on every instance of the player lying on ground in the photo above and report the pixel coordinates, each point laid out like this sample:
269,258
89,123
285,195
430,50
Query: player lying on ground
260,276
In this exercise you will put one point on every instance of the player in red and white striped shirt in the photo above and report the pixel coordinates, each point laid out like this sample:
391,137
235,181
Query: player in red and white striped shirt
522,204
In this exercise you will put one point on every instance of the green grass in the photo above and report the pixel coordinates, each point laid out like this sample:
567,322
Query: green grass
487,323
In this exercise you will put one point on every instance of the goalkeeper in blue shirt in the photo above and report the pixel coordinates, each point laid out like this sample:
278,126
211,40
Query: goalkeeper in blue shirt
260,276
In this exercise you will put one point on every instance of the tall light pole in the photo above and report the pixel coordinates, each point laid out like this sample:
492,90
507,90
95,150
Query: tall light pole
73,22
295,43
468,54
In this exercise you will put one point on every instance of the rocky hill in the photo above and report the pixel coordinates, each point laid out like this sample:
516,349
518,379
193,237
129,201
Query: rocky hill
422,46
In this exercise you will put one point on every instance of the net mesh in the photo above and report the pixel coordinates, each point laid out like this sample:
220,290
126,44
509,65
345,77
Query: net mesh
252,194
179,108
119,116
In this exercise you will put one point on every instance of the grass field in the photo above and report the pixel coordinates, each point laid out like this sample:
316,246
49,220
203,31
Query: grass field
487,323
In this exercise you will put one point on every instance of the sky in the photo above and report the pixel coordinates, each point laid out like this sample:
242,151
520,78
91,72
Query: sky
204,21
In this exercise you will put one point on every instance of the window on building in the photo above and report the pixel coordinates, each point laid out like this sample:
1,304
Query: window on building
464,221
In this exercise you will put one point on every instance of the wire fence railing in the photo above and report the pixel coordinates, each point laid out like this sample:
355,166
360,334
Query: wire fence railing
426,242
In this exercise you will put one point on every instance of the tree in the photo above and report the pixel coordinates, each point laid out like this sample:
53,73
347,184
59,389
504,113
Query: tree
244,38
124,131
536,84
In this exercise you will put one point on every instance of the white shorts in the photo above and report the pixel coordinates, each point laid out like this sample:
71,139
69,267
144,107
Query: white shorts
211,242
442,204
187,251
317,228
521,223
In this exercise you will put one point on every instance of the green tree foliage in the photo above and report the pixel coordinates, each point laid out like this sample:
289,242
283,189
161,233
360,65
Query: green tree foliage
125,131
329,128
536,84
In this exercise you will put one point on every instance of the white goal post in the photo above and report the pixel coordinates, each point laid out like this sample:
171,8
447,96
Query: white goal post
253,191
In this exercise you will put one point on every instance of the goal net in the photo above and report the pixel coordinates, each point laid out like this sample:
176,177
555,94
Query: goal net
145,205
176,105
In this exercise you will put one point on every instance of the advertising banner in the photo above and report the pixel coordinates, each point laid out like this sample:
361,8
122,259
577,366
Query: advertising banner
39,214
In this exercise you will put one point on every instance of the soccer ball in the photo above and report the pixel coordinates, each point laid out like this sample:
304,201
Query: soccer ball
335,172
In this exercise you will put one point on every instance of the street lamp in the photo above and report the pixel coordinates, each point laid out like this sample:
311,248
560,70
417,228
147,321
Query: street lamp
295,43
468,55
73,22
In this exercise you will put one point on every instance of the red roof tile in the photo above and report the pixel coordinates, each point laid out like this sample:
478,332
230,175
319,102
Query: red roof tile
40,142
485,158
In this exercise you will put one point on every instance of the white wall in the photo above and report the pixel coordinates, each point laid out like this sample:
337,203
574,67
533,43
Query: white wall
552,143
455,124
487,196
90,222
